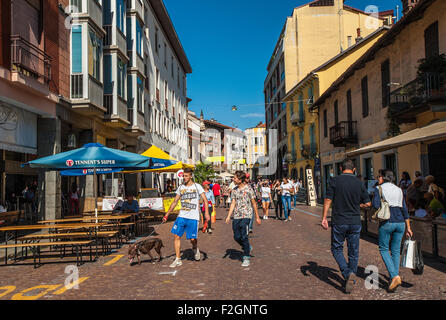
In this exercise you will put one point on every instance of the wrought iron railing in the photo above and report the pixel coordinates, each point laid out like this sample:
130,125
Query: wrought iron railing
29,59
108,39
429,88
343,133
108,103
77,86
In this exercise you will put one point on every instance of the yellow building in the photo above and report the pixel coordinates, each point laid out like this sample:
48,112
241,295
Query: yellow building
392,110
303,124
314,33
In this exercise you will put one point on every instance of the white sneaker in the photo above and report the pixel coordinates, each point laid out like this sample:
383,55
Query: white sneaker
176,262
245,263
197,254
289,219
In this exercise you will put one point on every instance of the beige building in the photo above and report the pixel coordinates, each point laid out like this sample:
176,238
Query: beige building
255,148
313,34
397,104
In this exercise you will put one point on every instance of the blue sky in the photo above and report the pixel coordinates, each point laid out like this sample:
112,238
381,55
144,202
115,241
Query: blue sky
229,44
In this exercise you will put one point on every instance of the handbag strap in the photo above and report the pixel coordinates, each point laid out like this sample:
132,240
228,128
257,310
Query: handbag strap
381,194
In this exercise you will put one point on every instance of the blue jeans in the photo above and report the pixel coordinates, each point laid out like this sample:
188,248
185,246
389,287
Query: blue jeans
295,200
286,202
396,231
351,233
251,222
240,227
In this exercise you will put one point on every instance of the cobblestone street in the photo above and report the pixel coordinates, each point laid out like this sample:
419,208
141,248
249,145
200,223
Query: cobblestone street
291,260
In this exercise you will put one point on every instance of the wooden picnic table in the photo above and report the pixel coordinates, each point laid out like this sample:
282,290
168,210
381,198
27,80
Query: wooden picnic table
15,229
108,217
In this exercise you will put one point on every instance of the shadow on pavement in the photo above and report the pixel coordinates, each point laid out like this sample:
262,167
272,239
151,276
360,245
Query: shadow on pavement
189,255
233,254
325,274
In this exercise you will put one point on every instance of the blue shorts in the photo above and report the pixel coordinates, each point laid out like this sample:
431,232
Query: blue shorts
182,224
265,200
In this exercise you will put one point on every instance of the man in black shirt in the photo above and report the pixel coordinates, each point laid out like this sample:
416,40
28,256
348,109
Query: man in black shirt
347,195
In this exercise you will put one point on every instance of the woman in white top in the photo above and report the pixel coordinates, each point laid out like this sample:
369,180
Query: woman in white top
287,189
266,199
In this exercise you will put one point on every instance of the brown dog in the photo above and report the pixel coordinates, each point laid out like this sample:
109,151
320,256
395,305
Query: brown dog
145,246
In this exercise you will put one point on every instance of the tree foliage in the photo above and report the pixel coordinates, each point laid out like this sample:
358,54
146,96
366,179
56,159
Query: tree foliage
203,172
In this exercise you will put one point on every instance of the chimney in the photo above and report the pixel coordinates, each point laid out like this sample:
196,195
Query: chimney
358,38
408,5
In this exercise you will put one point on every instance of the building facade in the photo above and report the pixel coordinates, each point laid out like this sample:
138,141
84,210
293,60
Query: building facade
80,71
394,96
303,122
256,148
34,89
129,74
301,47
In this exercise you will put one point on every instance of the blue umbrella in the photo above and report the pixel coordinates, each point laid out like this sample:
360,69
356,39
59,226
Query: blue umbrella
95,155
98,158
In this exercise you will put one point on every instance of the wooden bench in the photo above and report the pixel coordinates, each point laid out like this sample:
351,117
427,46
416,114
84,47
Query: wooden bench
104,236
35,248
9,217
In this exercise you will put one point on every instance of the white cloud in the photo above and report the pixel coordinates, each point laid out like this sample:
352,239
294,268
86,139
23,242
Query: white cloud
252,115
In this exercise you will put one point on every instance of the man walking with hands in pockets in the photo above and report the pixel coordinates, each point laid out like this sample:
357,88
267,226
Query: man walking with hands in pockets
187,221
347,195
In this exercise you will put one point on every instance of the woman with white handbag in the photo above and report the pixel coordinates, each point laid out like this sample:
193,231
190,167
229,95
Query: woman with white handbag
393,216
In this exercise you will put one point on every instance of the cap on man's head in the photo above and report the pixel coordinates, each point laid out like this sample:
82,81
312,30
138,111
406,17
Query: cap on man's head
206,182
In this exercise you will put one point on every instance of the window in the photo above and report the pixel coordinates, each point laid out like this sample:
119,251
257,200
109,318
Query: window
385,83
108,81
156,40
325,123
94,55
336,112
301,108
76,49
431,44
120,14
365,97
140,92
368,167
390,163
349,106
122,72
301,140
138,38
171,67
310,95
165,54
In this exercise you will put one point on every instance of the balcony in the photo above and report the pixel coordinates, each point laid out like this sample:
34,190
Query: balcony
135,6
297,121
344,133
308,151
87,103
417,97
136,63
136,120
29,60
116,114
115,40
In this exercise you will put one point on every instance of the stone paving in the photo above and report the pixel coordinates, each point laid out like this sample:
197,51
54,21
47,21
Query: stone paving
291,260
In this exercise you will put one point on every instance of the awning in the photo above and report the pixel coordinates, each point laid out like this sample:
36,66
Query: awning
155,152
430,132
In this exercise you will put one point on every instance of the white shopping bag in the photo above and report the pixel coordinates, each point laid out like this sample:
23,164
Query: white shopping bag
408,256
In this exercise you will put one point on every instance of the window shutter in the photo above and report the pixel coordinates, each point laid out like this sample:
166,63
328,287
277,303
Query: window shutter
76,49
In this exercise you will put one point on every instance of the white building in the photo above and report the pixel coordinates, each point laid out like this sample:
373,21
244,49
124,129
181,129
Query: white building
256,148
